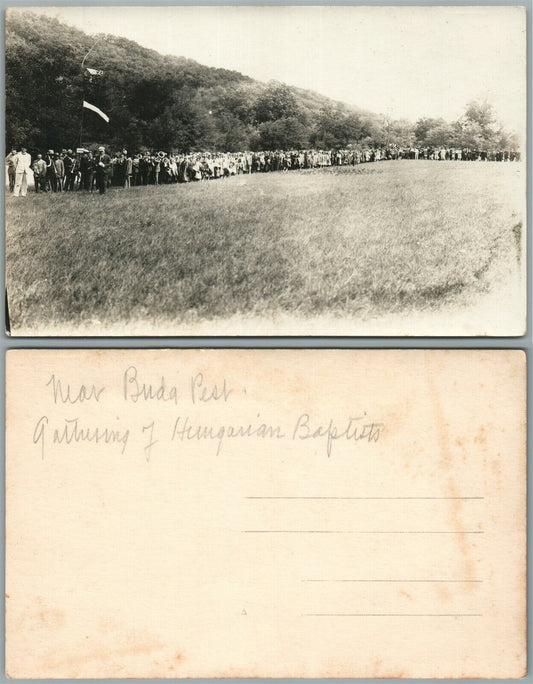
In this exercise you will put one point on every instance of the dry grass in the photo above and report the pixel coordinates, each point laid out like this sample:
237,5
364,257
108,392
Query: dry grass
387,237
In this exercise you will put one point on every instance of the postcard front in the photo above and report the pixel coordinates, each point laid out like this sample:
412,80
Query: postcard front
265,514
223,171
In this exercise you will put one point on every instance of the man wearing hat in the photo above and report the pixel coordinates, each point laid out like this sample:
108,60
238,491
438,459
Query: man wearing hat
103,168
135,168
11,168
87,170
39,174
60,172
51,178
68,161
145,166
127,169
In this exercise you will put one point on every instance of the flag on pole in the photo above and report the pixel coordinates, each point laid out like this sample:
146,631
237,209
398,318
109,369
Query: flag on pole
87,105
95,72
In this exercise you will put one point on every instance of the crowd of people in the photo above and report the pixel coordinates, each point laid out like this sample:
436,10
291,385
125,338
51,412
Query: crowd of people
82,169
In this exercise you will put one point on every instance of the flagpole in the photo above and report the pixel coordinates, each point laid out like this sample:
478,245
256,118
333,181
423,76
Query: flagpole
81,126
90,50
83,84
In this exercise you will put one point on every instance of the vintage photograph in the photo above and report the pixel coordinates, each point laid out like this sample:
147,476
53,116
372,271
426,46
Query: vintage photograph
278,170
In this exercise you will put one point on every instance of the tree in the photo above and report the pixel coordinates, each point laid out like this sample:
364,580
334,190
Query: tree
231,134
441,135
283,134
276,101
336,128
401,133
481,114
479,128
423,129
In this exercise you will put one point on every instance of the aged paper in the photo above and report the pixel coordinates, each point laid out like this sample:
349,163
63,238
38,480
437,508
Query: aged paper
255,513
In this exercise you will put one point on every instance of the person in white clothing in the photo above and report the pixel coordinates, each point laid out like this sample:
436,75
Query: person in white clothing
22,164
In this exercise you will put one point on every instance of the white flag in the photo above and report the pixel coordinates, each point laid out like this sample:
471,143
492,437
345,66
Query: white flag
95,72
87,105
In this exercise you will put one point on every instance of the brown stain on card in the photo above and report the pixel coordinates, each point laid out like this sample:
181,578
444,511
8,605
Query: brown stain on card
37,615
51,618
177,660
86,653
380,672
451,490
481,437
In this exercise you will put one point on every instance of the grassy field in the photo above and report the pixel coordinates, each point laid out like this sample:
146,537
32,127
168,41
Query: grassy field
390,237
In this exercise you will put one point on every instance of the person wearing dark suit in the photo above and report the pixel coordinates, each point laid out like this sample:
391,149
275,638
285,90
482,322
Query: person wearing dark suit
135,169
103,168
59,167
51,178
145,166
11,168
39,174
86,171
68,161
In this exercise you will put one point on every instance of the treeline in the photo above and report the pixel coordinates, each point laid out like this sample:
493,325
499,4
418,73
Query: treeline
175,104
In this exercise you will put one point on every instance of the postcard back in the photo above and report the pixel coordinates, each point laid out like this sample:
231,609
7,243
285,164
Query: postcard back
265,513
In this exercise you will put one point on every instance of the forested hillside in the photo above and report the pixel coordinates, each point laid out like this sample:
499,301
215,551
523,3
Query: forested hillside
172,103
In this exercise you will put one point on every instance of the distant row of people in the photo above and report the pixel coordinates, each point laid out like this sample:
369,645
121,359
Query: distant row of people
86,170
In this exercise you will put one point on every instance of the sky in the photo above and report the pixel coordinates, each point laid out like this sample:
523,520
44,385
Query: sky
403,62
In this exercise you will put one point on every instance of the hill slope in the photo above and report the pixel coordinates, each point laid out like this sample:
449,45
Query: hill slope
157,101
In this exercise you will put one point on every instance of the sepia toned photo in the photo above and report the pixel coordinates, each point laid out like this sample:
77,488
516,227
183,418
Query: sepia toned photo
247,170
